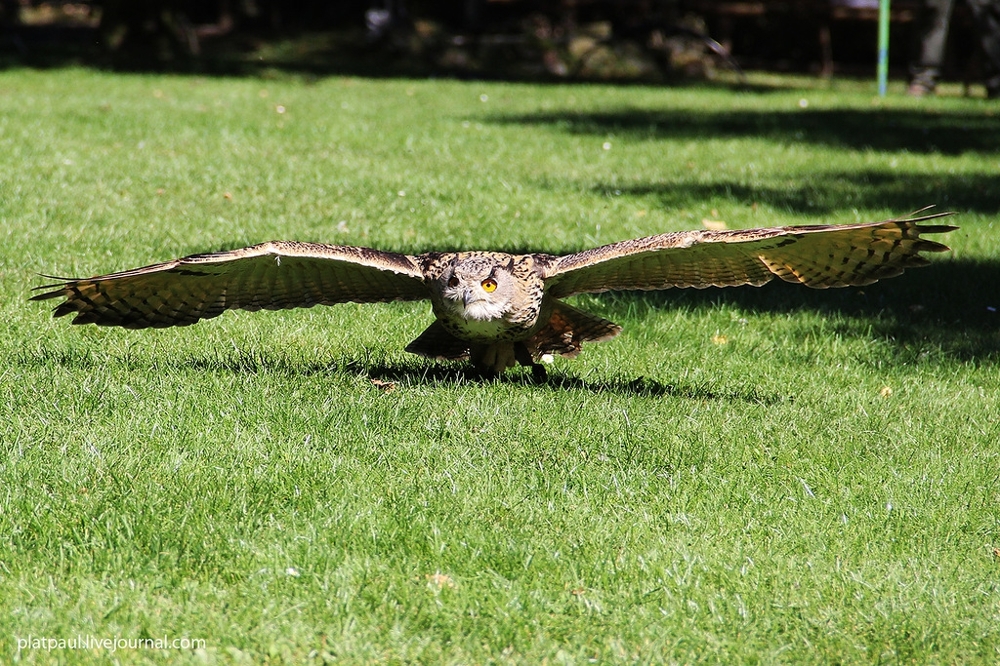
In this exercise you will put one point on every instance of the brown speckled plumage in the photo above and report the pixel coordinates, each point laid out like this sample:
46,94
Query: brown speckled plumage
521,320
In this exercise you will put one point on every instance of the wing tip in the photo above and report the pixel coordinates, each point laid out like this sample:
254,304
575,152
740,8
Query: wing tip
55,293
58,288
914,230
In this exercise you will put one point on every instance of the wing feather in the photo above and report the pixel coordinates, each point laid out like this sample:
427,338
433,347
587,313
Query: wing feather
818,256
271,276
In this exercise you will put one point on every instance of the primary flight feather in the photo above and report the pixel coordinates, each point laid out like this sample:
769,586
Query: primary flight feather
493,308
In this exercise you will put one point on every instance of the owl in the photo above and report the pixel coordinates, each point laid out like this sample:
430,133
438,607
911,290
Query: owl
494,309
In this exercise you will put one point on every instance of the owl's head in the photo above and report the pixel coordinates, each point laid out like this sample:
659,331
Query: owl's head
478,288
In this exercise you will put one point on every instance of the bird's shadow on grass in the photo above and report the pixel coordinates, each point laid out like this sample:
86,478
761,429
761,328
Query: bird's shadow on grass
388,376
383,376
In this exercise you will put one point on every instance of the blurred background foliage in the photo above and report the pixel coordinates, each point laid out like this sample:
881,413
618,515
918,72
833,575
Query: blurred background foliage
611,40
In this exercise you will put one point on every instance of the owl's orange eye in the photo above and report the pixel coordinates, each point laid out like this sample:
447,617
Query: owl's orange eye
453,282
489,285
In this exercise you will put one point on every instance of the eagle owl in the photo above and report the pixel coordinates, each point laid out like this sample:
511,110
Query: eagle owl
493,308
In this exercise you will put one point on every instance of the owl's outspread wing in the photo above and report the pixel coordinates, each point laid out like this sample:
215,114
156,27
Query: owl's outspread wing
492,308
818,256
270,276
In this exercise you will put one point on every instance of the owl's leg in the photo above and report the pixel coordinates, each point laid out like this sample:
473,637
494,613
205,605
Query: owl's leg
523,356
495,357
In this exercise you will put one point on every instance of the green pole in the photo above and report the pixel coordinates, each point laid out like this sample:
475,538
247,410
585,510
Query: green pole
883,46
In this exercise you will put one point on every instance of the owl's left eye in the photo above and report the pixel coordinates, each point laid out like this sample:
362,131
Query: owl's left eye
489,285
453,282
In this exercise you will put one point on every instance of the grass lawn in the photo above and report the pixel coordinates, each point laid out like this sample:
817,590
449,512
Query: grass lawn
773,475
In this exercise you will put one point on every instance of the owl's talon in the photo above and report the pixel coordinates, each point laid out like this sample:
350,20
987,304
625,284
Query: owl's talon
539,373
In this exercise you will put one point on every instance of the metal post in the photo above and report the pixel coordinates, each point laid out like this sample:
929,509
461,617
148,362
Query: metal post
883,46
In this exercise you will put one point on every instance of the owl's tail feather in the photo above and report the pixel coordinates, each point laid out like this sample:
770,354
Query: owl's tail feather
437,343
567,330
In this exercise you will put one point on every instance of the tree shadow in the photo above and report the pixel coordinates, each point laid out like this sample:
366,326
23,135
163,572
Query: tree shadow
950,308
913,130
826,192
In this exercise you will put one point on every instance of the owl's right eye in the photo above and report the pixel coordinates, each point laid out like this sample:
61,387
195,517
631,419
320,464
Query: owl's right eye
453,281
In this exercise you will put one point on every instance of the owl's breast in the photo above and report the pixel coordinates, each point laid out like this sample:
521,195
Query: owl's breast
486,330
517,324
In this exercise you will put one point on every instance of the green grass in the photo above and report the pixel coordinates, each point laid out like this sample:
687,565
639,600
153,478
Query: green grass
745,476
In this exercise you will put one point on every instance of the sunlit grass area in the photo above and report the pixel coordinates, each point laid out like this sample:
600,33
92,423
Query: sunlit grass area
771,475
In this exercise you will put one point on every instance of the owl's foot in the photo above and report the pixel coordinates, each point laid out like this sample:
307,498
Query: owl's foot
539,373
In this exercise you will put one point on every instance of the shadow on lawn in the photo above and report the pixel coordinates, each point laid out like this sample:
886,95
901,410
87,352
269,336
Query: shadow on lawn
912,130
642,386
385,376
829,192
949,308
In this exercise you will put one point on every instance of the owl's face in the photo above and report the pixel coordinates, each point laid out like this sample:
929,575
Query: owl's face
478,289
